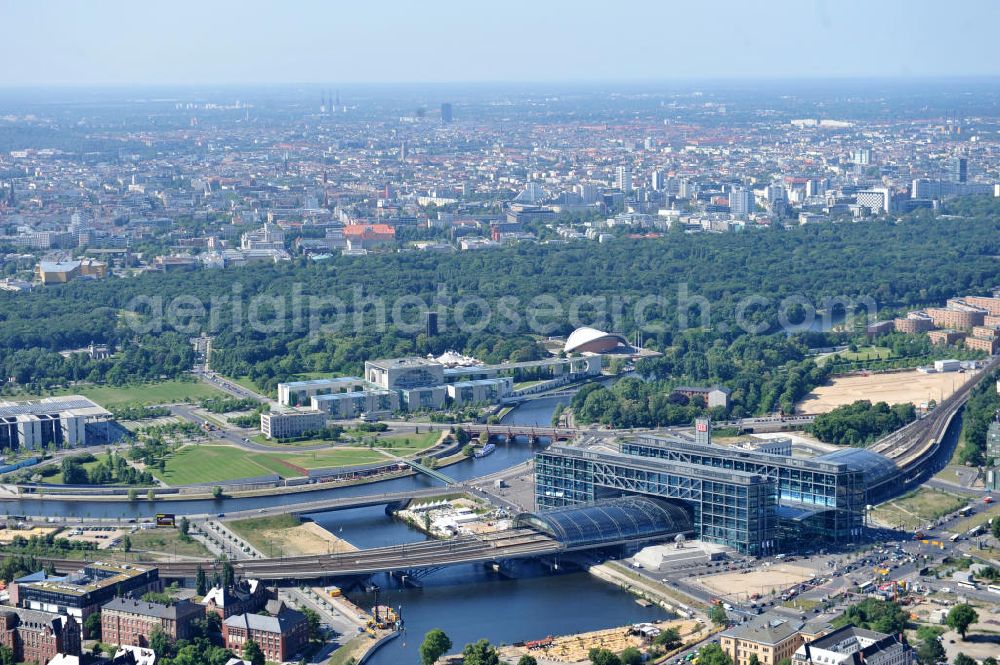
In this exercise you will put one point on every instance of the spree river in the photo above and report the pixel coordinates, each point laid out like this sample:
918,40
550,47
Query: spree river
470,602
506,455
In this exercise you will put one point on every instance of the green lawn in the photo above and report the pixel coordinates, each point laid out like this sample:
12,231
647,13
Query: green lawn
321,459
161,392
166,541
206,464
867,353
402,444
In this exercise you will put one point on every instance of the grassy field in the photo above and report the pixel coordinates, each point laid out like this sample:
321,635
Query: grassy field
867,353
252,529
162,392
167,541
402,444
321,459
206,464
914,510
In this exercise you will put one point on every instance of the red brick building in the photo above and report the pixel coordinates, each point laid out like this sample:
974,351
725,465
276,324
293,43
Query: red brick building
132,622
280,636
244,597
38,637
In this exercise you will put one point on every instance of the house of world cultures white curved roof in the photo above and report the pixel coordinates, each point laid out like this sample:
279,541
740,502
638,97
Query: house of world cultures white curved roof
591,340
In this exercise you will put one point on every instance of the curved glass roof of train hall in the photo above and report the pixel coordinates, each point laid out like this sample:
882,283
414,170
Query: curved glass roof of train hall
877,468
609,521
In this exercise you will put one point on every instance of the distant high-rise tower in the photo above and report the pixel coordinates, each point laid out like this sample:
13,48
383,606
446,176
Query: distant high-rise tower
958,169
402,151
741,202
446,113
431,327
656,181
623,179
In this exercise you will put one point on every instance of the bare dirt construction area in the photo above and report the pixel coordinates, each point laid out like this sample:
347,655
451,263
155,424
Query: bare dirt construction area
739,586
891,387
309,538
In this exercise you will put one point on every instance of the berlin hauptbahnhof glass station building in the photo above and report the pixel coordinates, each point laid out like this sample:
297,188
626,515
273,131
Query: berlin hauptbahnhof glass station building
757,503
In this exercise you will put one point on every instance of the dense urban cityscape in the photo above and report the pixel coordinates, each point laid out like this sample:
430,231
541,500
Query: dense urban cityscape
633,362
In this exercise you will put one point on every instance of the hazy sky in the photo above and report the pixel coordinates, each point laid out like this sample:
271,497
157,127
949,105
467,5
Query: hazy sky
120,42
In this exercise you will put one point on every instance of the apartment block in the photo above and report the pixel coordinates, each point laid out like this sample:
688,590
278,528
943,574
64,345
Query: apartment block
915,322
956,316
988,345
945,336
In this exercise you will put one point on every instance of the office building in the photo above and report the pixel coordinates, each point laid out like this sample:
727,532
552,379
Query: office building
280,634
67,421
733,495
298,393
270,237
370,401
446,113
82,593
878,200
291,423
656,181
771,637
419,384
958,169
851,645
741,202
132,621
38,637
623,180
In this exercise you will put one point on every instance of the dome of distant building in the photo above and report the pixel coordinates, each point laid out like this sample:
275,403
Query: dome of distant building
591,340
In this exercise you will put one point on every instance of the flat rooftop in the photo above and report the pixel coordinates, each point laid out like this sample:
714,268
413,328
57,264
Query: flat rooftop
74,404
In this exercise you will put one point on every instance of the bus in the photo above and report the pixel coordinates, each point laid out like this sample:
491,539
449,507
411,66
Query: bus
994,588
968,510
955,537
967,585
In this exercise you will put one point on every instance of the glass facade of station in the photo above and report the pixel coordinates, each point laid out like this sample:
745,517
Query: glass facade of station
730,507
754,502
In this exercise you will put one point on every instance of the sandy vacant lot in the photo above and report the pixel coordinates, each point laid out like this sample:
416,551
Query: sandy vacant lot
740,587
306,538
894,388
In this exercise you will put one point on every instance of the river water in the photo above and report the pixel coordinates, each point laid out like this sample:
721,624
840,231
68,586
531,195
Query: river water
506,455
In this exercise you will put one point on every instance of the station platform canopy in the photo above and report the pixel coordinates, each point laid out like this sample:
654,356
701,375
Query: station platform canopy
609,521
